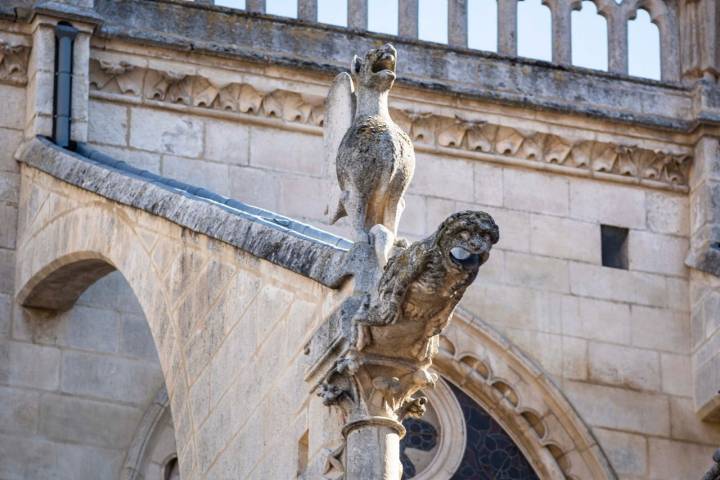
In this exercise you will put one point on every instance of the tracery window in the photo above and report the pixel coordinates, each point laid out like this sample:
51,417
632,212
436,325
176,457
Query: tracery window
490,453
474,448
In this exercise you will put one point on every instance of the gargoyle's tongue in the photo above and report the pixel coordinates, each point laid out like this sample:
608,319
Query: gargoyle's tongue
385,63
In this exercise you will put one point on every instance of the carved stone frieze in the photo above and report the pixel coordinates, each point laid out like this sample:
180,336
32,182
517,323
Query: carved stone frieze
624,162
197,91
13,62
628,161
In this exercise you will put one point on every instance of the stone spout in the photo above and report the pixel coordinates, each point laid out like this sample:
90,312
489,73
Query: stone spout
404,295
377,380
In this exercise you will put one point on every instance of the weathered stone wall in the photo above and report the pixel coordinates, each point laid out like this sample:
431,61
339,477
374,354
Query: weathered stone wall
622,336
76,385
618,343
73,386
230,329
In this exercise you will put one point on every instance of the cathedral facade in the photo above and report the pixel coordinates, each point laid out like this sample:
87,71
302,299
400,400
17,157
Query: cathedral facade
170,302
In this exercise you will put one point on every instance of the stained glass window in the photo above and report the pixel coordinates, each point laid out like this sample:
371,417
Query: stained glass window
419,435
490,453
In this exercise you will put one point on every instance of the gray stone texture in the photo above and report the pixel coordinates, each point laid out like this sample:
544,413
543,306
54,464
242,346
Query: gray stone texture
269,238
640,340
162,23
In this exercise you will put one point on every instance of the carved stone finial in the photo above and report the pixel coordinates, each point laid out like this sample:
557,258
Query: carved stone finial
396,331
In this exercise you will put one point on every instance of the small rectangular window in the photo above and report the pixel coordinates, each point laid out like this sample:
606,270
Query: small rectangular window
614,246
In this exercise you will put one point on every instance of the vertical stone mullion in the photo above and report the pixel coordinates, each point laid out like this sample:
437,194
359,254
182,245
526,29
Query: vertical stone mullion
408,18
617,41
507,27
561,13
358,14
308,10
255,6
669,46
457,23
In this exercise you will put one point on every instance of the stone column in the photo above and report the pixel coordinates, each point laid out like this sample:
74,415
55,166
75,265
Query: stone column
255,6
561,30
669,45
357,14
507,27
617,40
457,23
373,449
408,18
699,39
376,393
41,64
307,10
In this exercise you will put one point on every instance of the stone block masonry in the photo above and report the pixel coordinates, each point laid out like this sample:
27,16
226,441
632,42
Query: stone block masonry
644,340
199,321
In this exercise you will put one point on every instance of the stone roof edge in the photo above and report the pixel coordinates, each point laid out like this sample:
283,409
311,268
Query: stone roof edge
288,243
221,31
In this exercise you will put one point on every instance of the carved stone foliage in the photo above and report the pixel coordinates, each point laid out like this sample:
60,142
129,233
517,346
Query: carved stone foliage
198,91
13,62
639,164
625,162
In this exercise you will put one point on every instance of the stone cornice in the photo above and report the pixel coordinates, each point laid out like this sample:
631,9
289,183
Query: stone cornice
626,163
276,41
297,247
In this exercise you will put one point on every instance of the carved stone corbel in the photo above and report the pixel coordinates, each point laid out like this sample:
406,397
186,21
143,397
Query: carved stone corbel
375,394
13,62
126,78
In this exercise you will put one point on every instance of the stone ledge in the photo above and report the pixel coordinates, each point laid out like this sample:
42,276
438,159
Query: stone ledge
456,71
285,242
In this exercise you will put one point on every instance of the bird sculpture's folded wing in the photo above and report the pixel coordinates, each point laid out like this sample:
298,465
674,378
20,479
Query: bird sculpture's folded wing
339,114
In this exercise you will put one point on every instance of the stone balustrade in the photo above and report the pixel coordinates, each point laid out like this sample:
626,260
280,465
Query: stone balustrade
664,14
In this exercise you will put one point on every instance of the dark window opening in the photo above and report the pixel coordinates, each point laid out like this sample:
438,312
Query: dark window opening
614,246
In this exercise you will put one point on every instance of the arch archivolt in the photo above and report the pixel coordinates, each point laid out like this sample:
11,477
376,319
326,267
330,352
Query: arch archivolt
522,398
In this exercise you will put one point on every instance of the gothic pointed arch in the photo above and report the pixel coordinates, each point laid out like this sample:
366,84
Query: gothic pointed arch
522,398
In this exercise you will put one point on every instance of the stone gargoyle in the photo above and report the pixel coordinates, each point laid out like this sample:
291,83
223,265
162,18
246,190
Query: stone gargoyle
403,296
375,158
421,286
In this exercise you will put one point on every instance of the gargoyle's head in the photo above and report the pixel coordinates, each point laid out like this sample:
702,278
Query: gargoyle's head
377,70
465,239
